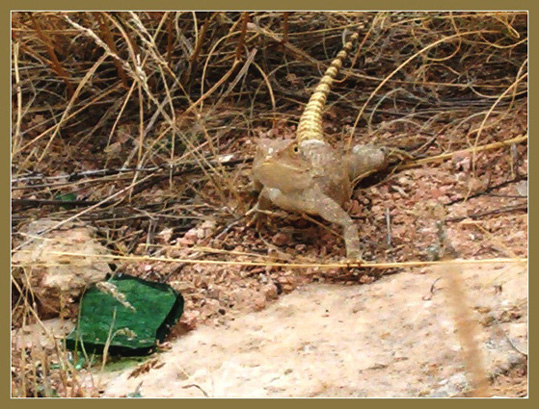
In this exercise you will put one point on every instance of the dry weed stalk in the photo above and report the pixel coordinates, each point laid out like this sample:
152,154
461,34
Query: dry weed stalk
149,117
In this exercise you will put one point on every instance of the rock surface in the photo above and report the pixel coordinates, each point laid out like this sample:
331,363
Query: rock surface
57,279
395,337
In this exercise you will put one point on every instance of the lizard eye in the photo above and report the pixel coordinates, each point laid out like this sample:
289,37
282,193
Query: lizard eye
295,148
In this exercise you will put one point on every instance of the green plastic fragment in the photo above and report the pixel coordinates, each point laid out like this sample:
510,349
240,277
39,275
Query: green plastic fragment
125,315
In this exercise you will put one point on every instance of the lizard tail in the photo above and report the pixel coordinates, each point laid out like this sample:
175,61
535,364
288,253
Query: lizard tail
310,123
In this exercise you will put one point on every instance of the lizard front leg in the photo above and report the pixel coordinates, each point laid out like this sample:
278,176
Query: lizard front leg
257,214
314,201
331,211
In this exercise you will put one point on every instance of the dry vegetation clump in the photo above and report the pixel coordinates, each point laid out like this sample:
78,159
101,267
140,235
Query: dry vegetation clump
142,124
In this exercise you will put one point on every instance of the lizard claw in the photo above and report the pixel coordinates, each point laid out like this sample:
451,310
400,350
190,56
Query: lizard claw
353,259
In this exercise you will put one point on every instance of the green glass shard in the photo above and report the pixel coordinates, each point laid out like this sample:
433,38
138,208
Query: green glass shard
126,315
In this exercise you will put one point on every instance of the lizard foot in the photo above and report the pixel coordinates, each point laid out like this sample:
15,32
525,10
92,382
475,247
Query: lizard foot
353,259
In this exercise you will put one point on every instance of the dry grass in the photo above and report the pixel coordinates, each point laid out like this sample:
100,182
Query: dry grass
149,118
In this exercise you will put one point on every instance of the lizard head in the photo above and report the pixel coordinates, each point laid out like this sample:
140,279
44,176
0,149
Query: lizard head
280,164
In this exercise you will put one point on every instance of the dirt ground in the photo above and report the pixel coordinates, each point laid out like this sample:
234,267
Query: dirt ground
395,337
264,331
175,202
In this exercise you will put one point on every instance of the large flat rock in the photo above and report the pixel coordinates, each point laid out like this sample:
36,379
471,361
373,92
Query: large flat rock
394,337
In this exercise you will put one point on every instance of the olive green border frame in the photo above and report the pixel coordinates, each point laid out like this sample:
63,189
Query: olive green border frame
5,218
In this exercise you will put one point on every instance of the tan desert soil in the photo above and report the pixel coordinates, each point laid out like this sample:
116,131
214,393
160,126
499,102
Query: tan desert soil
394,337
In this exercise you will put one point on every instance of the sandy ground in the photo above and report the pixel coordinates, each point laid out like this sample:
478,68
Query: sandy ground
395,337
